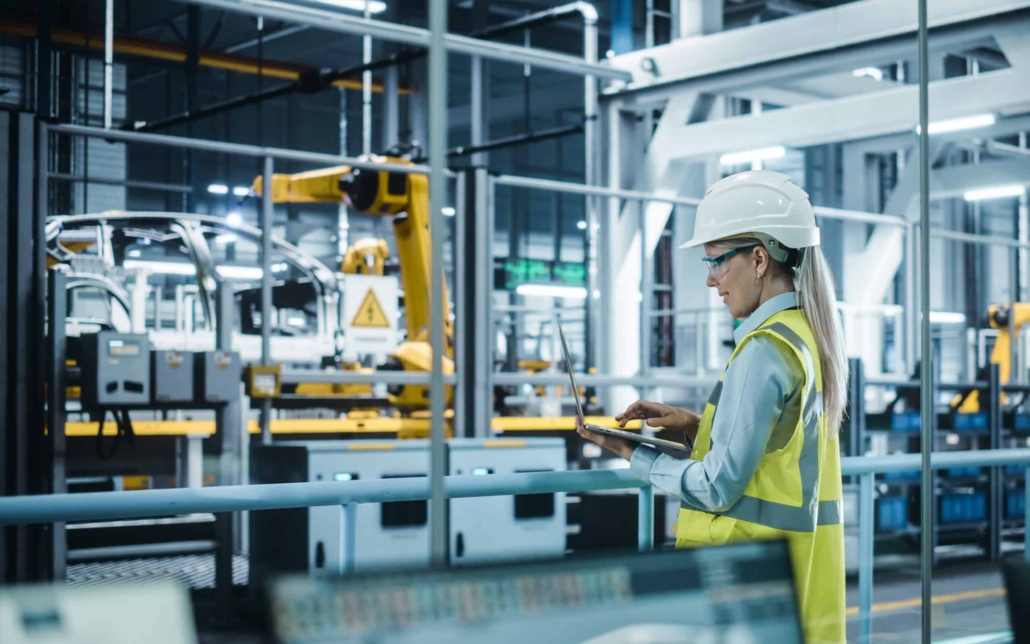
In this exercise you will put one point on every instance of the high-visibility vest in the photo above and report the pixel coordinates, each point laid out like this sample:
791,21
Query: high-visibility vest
795,493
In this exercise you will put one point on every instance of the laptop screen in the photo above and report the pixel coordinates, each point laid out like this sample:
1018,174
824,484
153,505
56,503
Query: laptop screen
572,377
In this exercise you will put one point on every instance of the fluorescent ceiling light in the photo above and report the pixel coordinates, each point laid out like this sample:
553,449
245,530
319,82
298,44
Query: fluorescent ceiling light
750,156
133,253
997,192
957,125
872,72
296,321
552,290
234,219
240,272
947,317
218,189
447,211
582,225
225,238
374,6
166,268
185,268
241,191
278,268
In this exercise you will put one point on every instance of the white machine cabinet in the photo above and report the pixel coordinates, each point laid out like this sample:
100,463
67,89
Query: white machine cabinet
396,535
506,528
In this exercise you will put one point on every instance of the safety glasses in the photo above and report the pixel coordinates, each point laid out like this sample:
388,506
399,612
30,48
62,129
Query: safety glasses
717,265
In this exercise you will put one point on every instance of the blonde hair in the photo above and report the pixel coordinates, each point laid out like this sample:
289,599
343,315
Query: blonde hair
817,297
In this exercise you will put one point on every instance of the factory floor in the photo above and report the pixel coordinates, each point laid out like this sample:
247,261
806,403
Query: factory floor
968,604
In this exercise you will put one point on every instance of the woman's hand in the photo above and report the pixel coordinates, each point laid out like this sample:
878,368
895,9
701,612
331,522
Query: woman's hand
620,446
659,415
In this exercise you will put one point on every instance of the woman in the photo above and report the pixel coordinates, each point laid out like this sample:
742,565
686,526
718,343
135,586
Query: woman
766,459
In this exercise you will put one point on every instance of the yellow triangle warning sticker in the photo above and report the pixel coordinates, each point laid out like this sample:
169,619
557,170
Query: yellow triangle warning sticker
370,313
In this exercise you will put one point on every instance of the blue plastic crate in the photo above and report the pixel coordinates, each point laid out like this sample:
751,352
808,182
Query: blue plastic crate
1015,504
962,508
912,475
892,513
905,421
1014,470
970,422
1022,423
959,472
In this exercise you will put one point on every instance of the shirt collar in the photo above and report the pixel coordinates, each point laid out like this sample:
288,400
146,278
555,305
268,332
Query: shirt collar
772,306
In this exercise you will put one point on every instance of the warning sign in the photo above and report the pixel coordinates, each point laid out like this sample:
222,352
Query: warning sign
370,313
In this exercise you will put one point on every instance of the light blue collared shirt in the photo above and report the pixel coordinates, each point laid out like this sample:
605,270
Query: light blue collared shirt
757,412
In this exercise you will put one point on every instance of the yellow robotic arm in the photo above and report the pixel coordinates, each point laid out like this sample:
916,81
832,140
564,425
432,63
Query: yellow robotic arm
406,198
999,317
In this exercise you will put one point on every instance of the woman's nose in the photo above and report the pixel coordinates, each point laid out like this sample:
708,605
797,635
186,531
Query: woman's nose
710,282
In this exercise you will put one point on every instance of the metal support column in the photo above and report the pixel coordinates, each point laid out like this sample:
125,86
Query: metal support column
391,108
267,210
192,99
866,542
57,312
437,198
856,407
228,526
348,535
929,531
1026,514
481,391
591,148
645,518
996,482
108,61
463,333
645,305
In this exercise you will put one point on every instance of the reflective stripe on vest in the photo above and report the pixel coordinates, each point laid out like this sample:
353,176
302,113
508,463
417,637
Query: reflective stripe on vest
812,512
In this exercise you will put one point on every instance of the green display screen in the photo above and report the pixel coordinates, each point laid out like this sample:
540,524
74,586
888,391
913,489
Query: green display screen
539,271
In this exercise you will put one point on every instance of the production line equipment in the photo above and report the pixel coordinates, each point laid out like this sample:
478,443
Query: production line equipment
405,198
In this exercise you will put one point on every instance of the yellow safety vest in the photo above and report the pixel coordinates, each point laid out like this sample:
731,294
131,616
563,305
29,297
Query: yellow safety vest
795,493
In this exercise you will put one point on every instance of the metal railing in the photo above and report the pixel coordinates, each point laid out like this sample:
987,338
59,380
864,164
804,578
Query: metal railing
125,505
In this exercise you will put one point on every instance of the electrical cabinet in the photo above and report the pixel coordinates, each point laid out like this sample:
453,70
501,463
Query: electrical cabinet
171,376
216,376
320,540
506,528
115,369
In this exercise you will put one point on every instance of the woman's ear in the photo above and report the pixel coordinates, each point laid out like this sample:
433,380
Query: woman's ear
761,260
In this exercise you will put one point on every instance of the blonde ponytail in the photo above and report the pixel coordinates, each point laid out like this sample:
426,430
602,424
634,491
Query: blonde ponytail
817,296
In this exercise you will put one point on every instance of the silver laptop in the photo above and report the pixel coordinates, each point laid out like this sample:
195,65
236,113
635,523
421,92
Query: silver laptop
632,436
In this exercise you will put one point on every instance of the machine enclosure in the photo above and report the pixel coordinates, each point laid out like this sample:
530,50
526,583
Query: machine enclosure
216,376
396,535
171,376
115,369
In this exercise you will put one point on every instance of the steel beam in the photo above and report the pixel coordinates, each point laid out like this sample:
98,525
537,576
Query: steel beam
826,31
393,32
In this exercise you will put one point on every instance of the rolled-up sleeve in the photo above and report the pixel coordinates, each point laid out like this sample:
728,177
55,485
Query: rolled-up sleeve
755,390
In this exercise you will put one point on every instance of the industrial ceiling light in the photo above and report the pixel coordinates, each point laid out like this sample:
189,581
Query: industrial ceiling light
185,268
218,189
552,290
750,156
947,317
872,72
997,192
234,218
447,211
582,225
374,6
960,124
241,191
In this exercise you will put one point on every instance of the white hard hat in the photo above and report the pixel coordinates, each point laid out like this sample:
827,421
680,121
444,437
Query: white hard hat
759,202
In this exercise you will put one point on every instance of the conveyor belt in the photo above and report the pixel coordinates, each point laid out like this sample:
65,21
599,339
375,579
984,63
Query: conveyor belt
195,571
